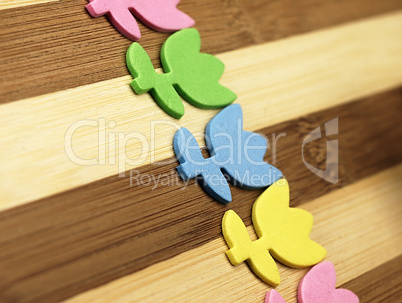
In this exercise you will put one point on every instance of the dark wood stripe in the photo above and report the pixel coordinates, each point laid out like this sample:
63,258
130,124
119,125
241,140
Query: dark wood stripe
55,46
382,284
71,242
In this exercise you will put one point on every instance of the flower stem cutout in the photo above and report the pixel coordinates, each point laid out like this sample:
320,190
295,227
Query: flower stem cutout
188,73
283,234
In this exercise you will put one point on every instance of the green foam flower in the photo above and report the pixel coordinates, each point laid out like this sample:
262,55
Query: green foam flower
188,73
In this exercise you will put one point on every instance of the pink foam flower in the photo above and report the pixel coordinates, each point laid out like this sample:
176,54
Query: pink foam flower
318,285
159,15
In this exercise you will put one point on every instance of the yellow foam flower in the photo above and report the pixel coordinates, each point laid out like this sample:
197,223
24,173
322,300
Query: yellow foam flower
283,234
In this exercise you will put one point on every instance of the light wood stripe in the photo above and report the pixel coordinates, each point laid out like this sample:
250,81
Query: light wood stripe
113,229
275,82
7,4
34,60
359,225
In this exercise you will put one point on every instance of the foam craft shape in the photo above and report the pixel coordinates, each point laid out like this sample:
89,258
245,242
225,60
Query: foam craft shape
188,73
274,297
240,154
283,234
318,285
159,15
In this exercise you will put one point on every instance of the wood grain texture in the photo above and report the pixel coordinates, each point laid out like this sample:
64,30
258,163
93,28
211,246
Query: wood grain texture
275,82
88,233
55,46
7,4
359,226
381,284
112,229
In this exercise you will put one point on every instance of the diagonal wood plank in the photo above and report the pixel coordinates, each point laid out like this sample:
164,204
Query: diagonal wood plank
55,46
7,4
382,284
310,72
359,226
113,229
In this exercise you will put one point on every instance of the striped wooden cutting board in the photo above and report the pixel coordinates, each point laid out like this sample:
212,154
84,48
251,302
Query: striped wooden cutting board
72,228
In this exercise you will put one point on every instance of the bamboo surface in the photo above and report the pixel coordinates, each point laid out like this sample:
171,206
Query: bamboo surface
7,4
295,77
203,274
85,233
